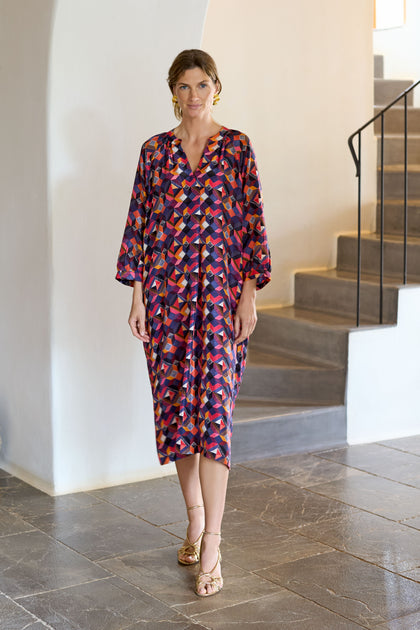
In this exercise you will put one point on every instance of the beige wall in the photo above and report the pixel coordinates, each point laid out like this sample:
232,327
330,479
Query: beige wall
25,414
298,79
400,47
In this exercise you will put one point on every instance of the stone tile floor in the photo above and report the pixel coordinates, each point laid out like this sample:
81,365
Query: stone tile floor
318,541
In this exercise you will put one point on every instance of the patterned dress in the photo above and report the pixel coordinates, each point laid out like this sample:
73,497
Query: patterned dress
192,238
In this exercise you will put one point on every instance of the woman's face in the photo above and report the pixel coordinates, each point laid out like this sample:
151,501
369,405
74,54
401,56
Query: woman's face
195,91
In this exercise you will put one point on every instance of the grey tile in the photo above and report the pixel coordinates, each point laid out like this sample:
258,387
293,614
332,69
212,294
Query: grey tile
9,482
408,444
380,460
32,562
303,469
178,622
240,475
102,531
25,501
241,528
412,522
158,573
254,544
282,504
281,611
374,494
157,501
370,537
410,622
11,524
14,617
103,605
260,554
414,574
357,590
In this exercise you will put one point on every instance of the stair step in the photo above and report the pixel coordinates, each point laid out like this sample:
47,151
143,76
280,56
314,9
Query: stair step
334,291
394,181
291,380
378,66
264,428
386,90
394,216
370,248
303,333
394,149
394,120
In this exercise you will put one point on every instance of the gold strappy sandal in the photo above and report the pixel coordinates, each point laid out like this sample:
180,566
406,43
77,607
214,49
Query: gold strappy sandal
207,579
190,548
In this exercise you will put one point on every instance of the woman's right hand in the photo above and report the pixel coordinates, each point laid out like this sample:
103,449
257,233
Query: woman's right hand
137,318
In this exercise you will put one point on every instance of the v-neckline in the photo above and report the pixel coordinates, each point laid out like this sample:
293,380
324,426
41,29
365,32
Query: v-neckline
179,143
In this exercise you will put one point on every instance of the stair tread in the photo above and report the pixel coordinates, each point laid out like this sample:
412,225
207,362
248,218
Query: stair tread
351,276
315,318
394,134
388,238
277,360
398,202
408,81
379,108
399,168
253,410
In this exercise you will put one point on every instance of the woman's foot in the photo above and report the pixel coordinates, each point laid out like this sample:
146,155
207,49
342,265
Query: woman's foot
209,580
189,553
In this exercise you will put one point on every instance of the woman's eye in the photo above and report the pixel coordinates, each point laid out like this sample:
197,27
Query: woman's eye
203,85
183,87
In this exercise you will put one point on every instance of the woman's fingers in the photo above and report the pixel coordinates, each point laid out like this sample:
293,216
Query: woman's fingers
245,328
137,324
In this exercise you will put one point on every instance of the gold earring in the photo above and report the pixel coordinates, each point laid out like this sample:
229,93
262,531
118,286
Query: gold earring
174,99
216,99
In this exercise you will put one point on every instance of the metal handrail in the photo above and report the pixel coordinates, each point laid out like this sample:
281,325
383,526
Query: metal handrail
357,157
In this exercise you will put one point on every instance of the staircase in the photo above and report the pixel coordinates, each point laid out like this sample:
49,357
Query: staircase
293,395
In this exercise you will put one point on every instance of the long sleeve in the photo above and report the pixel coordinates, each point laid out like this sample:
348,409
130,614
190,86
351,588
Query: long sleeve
256,252
130,259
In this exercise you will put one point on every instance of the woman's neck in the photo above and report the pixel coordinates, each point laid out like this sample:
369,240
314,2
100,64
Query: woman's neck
196,129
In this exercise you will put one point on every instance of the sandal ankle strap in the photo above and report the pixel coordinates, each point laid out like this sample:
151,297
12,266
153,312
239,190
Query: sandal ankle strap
194,507
213,533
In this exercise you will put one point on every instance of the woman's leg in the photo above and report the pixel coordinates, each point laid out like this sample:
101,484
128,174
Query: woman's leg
189,479
213,478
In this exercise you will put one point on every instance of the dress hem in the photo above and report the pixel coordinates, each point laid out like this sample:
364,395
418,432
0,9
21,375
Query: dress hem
167,459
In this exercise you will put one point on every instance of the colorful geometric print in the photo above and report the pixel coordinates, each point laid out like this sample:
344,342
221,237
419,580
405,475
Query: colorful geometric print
192,238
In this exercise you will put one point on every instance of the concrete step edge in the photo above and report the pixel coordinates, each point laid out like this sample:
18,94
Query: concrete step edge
302,318
301,366
350,278
374,238
276,415
301,356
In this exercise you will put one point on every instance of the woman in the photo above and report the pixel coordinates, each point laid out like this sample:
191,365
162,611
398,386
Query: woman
195,252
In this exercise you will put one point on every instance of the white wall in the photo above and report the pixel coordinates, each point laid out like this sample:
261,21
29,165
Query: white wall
108,94
25,416
383,390
298,79
400,47
295,79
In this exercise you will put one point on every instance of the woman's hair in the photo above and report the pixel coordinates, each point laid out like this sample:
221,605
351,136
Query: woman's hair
186,60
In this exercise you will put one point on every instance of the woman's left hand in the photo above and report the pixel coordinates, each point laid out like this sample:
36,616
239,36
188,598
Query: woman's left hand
246,312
